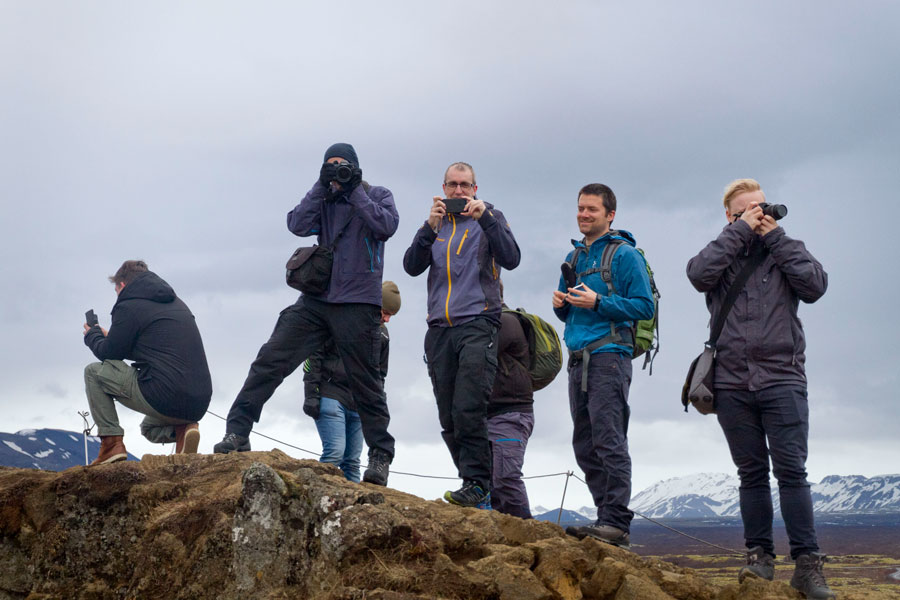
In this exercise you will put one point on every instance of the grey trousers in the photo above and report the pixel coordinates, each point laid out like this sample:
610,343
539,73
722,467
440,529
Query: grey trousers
509,433
114,380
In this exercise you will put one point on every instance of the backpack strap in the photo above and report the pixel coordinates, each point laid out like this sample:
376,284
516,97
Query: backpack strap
605,270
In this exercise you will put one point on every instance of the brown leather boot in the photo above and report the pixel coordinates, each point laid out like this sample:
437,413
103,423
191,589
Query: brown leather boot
112,449
187,438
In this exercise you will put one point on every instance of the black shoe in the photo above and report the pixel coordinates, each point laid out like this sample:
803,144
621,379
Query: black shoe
232,442
604,533
759,564
470,494
808,577
378,468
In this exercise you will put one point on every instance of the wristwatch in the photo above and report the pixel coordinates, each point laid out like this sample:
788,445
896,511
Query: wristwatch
597,303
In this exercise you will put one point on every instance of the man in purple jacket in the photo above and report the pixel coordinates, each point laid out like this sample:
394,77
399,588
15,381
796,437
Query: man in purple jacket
356,219
463,253
760,380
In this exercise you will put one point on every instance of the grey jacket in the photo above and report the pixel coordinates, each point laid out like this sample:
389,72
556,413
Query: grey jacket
463,259
762,343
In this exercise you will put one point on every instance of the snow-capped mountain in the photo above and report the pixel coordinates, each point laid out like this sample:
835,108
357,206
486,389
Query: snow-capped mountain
694,496
47,449
710,495
714,495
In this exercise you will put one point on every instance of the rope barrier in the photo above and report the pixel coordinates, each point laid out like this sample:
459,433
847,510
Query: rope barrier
568,474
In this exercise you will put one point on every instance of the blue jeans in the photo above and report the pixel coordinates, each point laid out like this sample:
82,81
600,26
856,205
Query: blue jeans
342,439
770,423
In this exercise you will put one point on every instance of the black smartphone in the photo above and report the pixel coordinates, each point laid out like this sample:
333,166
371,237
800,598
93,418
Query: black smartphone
455,205
90,318
568,274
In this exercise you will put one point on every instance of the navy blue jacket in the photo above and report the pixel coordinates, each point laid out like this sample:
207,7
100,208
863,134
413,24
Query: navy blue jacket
154,328
371,219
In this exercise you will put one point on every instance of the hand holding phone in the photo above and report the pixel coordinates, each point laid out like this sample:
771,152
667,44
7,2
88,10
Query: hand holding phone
455,205
91,318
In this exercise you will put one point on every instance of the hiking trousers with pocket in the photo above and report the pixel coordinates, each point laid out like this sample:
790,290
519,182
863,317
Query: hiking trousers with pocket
600,437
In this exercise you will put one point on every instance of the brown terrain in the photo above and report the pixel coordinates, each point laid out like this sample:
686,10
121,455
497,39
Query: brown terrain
264,525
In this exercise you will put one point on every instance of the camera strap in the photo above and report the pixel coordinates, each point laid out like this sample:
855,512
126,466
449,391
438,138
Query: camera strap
759,252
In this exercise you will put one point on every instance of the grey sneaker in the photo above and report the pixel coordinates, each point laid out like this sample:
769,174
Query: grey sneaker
470,494
808,577
378,468
759,564
232,442
604,533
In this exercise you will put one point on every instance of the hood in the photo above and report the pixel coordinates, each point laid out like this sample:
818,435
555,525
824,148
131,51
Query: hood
614,234
148,286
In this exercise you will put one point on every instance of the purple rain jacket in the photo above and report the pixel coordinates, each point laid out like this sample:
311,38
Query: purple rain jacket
465,257
371,219
762,343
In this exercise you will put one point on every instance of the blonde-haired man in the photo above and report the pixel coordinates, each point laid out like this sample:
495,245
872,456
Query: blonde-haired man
761,398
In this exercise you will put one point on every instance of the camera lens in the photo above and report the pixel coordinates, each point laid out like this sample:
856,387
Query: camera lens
776,211
344,173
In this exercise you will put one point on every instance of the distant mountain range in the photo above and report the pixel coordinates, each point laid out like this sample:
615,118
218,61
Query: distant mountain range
47,449
715,495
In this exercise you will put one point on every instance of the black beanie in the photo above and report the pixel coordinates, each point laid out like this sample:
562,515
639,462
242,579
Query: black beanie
344,151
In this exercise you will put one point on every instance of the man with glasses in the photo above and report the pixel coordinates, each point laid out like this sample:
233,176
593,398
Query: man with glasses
355,219
464,242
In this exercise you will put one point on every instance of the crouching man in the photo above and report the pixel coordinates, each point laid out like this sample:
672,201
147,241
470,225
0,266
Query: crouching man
169,380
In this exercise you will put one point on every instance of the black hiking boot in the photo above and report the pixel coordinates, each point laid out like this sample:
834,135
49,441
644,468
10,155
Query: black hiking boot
378,468
808,577
232,442
604,533
759,564
470,494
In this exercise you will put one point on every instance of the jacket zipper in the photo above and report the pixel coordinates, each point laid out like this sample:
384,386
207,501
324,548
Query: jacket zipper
449,280
462,241
369,248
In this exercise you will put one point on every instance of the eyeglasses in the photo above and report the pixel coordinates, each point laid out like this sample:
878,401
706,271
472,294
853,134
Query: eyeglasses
464,185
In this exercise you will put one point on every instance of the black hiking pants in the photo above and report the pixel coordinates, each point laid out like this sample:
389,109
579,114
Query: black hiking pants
302,328
462,362
770,423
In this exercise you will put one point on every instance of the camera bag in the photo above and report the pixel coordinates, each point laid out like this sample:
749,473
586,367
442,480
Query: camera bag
309,267
698,388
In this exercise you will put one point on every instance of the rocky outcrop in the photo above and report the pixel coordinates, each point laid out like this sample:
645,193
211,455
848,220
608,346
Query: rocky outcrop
264,525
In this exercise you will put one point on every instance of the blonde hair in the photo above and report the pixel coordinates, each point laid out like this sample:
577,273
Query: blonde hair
738,187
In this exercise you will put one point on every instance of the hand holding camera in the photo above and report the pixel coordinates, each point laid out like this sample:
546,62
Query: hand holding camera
340,176
438,210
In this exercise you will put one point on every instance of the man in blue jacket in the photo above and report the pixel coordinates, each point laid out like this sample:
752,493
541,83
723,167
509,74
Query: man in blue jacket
599,320
760,378
169,379
356,219
463,253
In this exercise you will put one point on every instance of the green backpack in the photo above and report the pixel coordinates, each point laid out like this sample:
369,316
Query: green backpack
544,350
645,333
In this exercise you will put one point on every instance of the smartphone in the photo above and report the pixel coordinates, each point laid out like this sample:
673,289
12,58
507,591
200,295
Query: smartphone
455,205
90,318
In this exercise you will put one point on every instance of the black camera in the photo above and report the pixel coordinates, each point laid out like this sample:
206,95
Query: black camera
776,211
343,173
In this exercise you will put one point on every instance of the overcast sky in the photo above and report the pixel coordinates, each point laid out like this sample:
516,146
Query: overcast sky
182,133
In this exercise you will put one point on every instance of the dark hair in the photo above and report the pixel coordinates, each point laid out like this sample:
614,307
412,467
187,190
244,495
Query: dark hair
129,271
598,189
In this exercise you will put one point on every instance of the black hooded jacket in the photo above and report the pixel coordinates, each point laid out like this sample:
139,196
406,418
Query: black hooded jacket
154,328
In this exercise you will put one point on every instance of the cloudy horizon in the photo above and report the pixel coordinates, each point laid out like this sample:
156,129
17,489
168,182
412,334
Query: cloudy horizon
182,134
